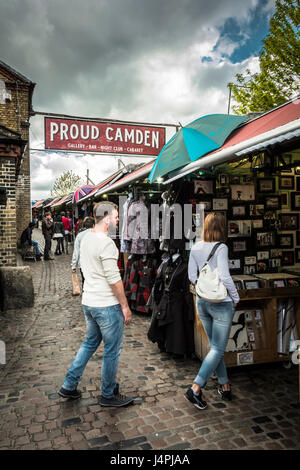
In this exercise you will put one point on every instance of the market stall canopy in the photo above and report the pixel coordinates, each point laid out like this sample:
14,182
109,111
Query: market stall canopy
49,202
62,200
37,204
193,141
114,177
277,125
82,192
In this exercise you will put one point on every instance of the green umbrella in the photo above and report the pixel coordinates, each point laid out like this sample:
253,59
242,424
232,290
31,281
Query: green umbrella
191,142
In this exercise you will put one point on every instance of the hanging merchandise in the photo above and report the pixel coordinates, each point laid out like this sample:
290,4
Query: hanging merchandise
286,325
138,281
172,322
125,240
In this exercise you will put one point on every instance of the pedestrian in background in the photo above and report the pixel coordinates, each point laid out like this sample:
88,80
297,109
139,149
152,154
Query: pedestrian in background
59,233
48,230
67,227
26,239
88,224
216,317
105,308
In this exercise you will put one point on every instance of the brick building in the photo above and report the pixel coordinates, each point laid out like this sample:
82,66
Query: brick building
15,201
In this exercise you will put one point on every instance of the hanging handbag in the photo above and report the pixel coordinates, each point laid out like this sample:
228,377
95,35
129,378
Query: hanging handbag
209,287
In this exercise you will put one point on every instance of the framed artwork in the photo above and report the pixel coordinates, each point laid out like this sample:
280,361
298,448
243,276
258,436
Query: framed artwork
238,285
279,283
239,245
234,264
248,179
289,221
273,202
284,202
265,238
251,284
288,258
241,192
297,183
223,179
262,255
262,266
250,269
286,182
258,223
297,255
276,253
274,263
220,204
238,211
257,210
239,228
286,240
203,187
206,205
235,179
298,237
292,282
249,260
266,185
295,201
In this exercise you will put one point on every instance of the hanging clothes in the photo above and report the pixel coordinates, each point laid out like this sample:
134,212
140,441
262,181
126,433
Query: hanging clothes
138,281
172,322
125,240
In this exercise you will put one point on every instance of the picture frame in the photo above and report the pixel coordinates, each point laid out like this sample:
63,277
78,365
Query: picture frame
220,204
289,221
284,202
274,263
238,211
247,178
266,185
298,237
273,202
276,253
223,179
239,245
288,258
279,283
257,223
202,187
249,270
292,282
286,240
261,255
251,285
239,228
297,183
206,204
234,264
286,182
234,179
297,255
262,266
265,238
295,201
242,192
256,210
248,260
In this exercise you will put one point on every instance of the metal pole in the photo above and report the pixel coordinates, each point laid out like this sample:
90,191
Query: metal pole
229,99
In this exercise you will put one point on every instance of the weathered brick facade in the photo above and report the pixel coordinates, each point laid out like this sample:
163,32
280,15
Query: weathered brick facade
15,109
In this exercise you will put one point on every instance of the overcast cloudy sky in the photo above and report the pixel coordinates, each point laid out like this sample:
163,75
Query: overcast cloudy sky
158,61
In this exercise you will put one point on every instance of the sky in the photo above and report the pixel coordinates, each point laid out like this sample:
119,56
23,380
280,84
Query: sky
156,61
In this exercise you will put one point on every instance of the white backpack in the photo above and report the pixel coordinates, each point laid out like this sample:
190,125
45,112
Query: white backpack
209,287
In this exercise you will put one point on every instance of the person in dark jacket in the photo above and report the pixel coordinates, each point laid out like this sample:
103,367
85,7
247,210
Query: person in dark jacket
59,233
26,239
48,230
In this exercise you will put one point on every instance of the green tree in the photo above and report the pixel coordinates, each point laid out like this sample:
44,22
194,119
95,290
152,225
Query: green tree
279,60
65,184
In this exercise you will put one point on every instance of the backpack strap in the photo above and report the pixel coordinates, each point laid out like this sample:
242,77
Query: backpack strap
213,251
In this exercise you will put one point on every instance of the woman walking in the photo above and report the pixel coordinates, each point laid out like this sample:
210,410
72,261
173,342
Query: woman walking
59,233
216,317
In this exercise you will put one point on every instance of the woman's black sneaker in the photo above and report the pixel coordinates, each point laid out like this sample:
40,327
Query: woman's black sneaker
64,393
196,400
225,394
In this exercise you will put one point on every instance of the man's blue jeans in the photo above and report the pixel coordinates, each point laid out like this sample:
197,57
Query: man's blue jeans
36,246
105,323
217,320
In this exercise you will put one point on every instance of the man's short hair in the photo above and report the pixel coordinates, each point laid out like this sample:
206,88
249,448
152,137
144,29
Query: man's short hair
88,222
47,213
102,209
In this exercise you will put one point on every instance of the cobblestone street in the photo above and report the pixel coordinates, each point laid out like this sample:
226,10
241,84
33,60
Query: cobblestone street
40,344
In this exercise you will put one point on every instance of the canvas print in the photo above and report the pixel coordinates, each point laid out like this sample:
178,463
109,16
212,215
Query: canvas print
250,260
242,192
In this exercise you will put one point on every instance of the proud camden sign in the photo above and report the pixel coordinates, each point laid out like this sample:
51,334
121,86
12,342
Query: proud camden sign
103,137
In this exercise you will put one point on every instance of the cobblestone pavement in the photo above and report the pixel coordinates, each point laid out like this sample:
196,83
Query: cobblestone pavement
40,344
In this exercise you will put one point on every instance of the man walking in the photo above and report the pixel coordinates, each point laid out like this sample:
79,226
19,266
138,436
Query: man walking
67,227
105,308
88,224
48,231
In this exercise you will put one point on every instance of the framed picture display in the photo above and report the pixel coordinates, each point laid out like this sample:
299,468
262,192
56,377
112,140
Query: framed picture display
274,263
247,179
223,179
235,264
298,237
220,204
286,240
239,245
262,266
265,238
234,179
239,228
256,210
242,192
249,260
262,255
273,202
279,283
289,221
238,211
298,182
266,185
288,258
284,200
205,204
202,187
295,201
257,223
251,284
250,269
286,182
297,255
276,253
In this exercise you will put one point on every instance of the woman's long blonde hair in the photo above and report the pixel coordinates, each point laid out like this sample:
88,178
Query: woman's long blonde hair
214,229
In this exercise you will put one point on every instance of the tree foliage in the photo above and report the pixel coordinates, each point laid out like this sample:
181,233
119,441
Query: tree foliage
65,184
279,59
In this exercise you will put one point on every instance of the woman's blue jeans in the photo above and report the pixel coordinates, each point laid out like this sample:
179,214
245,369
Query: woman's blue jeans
217,320
105,323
